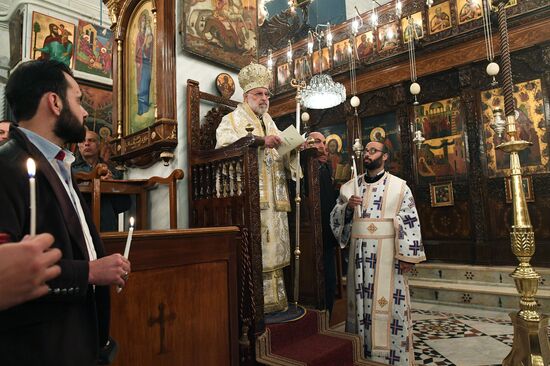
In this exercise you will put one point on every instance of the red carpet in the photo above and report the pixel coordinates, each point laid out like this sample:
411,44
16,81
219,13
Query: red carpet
309,341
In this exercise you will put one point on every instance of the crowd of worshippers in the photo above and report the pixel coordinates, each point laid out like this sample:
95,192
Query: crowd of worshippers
55,285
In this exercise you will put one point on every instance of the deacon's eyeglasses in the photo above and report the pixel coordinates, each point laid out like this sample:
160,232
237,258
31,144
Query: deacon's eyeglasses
372,151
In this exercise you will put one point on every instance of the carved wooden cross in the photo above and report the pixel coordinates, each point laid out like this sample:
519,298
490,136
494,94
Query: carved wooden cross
160,320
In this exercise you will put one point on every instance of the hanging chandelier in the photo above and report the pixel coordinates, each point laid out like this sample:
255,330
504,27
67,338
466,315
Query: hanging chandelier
322,92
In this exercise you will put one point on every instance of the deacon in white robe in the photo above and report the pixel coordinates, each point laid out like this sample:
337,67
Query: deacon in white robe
377,217
274,198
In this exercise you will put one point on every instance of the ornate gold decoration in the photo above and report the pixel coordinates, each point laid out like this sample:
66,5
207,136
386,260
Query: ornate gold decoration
254,76
372,228
382,302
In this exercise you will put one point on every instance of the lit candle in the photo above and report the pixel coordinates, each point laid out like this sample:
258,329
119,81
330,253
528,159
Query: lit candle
31,168
127,247
129,239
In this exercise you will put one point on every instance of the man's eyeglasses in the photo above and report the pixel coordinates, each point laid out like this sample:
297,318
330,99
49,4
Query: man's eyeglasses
262,94
372,151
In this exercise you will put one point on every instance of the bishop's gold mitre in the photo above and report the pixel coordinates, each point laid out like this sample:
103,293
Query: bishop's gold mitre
254,76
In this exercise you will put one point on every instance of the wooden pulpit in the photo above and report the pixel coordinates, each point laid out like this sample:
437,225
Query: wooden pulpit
179,306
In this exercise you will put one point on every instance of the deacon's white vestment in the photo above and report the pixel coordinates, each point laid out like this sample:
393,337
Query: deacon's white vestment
274,201
384,231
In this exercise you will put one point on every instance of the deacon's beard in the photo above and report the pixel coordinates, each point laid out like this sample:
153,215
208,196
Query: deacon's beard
375,164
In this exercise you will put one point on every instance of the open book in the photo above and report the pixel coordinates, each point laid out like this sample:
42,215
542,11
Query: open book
290,139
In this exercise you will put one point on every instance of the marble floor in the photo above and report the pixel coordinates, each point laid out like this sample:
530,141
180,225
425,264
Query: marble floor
462,336
449,335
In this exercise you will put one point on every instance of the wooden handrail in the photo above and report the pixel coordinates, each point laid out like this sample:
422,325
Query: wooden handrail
139,187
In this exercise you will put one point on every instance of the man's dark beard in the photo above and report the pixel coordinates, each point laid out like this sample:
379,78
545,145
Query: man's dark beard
68,127
375,164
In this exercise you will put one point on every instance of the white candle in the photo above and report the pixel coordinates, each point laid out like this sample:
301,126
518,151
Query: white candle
31,169
298,117
129,239
356,184
127,247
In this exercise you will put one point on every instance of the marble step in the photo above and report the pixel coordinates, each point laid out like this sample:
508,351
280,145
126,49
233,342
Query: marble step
480,286
473,274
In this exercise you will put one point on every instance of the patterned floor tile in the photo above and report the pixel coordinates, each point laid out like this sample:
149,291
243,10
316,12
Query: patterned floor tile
507,339
443,329
425,355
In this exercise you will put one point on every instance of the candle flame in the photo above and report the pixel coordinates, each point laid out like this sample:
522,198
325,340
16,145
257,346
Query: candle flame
31,167
131,222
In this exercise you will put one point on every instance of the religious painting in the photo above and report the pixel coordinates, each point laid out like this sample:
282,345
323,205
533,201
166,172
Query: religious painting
365,45
302,68
321,63
338,156
441,194
385,128
223,31
469,10
526,184
439,17
52,39
140,75
278,23
94,49
443,153
412,27
283,74
98,102
530,124
225,85
388,37
342,53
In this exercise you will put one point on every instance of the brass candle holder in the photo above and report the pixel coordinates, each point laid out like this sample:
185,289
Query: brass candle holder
530,347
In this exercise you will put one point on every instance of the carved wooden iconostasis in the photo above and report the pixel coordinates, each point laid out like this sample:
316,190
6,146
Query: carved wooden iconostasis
143,81
470,219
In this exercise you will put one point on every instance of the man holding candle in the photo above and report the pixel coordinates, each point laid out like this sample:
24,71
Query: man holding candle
70,325
254,79
385,242
25,267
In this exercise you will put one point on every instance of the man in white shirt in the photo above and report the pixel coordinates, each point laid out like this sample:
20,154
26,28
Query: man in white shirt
70,325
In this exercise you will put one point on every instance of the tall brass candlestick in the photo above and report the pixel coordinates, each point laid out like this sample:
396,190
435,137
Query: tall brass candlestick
530,345
298,85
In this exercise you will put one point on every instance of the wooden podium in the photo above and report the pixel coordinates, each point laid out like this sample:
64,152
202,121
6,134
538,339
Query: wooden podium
180,304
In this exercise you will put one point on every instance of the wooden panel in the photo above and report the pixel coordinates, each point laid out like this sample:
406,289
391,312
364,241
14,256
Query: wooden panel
182,295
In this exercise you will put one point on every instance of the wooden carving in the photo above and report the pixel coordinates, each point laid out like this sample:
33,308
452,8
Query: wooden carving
144,93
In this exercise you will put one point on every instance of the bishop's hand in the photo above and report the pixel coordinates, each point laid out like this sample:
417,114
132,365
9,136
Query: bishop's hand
272,141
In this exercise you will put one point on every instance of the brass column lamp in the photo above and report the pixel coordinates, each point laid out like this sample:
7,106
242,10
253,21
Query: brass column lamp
530,345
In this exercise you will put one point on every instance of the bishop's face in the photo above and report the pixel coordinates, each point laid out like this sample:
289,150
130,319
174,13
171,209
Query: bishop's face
258,100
